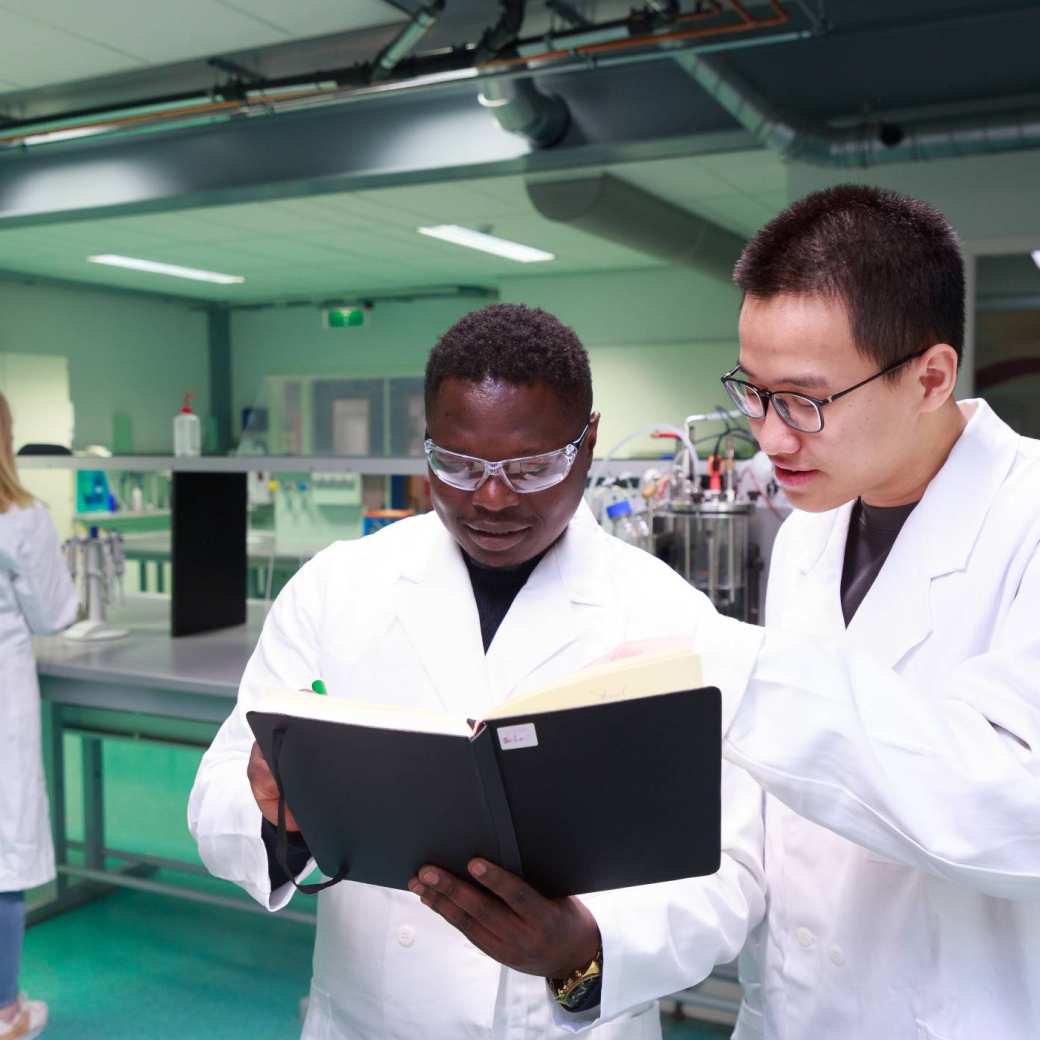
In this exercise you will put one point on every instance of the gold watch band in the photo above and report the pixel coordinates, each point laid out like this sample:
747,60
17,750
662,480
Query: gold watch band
562,988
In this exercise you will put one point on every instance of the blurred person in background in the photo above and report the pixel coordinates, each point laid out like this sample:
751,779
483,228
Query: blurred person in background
36,596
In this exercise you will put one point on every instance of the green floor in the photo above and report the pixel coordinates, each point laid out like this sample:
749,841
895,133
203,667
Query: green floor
138,965
135,965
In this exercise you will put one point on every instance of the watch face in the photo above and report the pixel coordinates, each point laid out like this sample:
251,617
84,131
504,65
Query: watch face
584,995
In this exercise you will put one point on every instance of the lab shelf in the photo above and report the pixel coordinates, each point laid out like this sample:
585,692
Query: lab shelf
371,465
375,466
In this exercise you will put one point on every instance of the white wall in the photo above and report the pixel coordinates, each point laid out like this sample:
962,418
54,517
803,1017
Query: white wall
130,355
292,341
658,341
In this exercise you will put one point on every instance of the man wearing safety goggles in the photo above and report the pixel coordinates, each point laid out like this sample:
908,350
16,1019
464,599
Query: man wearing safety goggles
509,584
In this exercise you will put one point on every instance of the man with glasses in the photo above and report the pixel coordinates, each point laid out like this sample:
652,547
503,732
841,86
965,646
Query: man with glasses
902,767
509,583
892,715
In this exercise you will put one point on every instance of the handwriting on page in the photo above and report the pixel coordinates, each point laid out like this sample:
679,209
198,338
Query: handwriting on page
511,738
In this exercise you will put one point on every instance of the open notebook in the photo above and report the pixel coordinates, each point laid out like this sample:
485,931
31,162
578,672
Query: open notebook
606,779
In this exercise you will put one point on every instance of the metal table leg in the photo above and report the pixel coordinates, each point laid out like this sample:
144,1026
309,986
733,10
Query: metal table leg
93,803
57,793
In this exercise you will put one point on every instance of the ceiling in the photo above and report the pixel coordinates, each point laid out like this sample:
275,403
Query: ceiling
1003,282
859,60
63,40
859,57
348,244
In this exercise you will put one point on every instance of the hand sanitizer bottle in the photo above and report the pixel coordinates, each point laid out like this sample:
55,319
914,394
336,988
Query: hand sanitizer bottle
187,436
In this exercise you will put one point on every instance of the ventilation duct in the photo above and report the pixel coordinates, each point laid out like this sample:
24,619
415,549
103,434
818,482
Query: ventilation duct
629,216
866,145
521,108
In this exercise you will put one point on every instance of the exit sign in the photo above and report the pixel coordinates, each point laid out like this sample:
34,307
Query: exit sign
344,317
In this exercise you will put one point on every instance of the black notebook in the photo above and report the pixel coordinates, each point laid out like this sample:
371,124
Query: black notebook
605,780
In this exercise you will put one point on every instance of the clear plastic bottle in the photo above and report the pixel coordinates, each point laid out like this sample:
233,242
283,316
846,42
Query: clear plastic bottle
187,433
629,526
641,523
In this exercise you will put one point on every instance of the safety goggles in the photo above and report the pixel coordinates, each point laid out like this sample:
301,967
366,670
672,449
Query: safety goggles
524,475
799,411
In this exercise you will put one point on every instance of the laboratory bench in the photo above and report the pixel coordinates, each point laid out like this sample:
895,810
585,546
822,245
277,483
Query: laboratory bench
145,687
268,568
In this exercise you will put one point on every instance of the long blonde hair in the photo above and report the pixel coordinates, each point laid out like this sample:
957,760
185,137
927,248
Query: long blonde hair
12,493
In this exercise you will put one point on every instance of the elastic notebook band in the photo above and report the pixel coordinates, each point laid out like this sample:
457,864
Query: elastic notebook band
282,843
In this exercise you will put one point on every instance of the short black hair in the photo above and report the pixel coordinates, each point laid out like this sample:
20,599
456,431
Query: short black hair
514,344
893,261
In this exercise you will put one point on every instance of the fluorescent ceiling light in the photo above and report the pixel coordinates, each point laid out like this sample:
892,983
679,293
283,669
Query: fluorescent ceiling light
1036,257
462,236
153,267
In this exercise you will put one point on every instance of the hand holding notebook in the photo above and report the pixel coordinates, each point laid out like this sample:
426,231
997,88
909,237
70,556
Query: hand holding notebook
607,779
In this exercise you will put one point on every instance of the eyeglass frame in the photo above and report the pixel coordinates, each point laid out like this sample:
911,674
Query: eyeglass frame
818,403
492,469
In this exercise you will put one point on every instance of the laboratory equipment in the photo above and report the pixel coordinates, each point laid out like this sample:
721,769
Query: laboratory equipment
93,493
708,543
702,530
97,564
314,510
702,517
376,519
630,524
187,433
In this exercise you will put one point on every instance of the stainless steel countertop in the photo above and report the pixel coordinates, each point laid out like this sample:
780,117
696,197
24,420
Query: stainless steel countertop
150,657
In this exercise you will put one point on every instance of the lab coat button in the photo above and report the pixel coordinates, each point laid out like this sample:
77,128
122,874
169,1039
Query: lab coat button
805,937
837,957
406,935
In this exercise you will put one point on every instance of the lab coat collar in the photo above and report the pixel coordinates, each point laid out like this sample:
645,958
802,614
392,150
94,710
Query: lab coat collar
954,505
937,539
958,500
818,535
563,600
580,557
578,554
434,602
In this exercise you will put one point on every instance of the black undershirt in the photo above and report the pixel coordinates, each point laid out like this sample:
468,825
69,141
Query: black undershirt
872,533
494,589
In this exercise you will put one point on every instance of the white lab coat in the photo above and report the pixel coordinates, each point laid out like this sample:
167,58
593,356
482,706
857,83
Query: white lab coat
391,618
903,810
36,596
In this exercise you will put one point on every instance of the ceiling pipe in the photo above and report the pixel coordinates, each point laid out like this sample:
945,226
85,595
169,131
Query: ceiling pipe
445,69
406,40
518,105
521,108
622,213
502,36
868,144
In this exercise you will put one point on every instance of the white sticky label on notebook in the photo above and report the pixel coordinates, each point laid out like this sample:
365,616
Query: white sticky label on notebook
512,737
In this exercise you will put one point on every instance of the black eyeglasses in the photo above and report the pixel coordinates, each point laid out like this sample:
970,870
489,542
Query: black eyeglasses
799,411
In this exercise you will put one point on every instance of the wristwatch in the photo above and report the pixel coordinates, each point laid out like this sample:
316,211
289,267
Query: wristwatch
581,989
